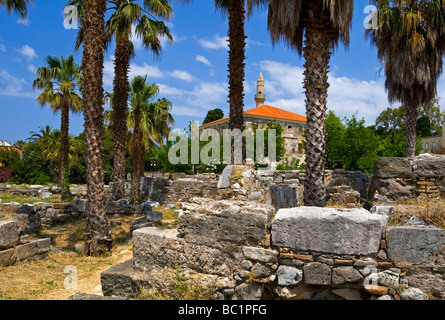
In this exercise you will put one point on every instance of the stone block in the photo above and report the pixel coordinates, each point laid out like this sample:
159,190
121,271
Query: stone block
167,248
9,234
43,245
7,257
328,230
154,216
343,275
289,276
317,273
260,254
412,245
388,167
209,222
429,166
26,251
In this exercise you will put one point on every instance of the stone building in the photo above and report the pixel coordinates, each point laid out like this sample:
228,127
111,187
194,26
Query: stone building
435,144
292,123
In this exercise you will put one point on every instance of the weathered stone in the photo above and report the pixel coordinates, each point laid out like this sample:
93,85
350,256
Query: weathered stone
43,245
429,166
209,222
388,279
255,196
317,273
385,297
433,283
413,294
383,210
224,179
366,262
324,295
154,216
348,294
392,189
376,290
293,293
343,275
167,248
9,234
7,257
260,254
26,251
387,167
328,230
288,276
246,265
249,291
261,271
413,245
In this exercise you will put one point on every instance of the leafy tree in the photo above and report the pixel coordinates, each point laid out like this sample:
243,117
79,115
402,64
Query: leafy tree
18,6
335,139
410,42
58,81
424,127
213,115
313,28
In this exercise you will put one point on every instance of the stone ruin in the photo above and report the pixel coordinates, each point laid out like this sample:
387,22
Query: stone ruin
246,234
256,244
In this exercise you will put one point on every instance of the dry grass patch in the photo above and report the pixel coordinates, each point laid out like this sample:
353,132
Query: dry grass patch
45,279
431,212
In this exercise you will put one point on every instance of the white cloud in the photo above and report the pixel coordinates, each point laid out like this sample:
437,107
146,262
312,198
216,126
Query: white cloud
203,60
181,75
13,86
135,70
2,47
215,43
346,96
186,111
28,52
24,22
31,68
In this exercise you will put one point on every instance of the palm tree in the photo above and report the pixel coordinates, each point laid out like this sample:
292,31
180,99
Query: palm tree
125,15
18,6
147,119
236,10
58,81
323,23
410,42
93,23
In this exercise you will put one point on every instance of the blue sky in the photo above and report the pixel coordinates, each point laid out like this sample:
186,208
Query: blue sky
191,73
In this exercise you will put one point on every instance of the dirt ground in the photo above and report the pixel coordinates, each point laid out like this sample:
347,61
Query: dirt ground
66,270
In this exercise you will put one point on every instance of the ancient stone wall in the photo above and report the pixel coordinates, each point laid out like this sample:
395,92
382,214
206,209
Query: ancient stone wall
15,246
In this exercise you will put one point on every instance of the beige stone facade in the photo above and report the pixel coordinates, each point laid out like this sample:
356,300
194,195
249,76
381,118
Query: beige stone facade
292,123
435,144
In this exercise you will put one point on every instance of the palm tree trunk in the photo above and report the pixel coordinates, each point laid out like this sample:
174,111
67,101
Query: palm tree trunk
120,113
63,156
237,56
317,53
137,138
411,130
99,230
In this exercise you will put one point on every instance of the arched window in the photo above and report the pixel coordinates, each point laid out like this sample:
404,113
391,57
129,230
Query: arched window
427,146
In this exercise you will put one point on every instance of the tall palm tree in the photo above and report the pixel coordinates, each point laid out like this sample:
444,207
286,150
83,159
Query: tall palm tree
58,81
18,6
126,14
411,44
314,28
93,23
140,96
236,11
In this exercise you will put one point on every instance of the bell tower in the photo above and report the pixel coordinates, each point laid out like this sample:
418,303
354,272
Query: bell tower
260,97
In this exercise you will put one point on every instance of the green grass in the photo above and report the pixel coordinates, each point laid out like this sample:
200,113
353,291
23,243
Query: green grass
8,197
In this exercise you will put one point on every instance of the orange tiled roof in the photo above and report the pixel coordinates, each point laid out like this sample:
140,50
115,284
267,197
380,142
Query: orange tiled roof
270,112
